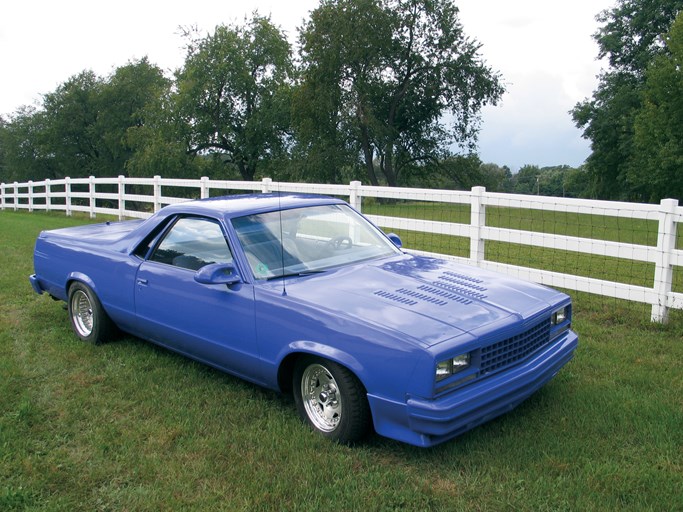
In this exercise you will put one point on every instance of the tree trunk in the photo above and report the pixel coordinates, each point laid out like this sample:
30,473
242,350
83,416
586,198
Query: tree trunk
367,153
388,170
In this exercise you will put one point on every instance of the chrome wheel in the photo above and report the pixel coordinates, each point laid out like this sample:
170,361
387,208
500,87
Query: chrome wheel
321,397
88,318
331,399
82,313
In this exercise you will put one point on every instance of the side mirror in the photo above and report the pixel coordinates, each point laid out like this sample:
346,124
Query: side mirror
395,239
218,273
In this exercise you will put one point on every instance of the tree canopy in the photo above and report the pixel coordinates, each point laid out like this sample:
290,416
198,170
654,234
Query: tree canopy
380,79
381,90
632,39
386,91
82,127
656,170
232,94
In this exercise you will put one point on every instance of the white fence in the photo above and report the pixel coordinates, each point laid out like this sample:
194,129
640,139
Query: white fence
82,195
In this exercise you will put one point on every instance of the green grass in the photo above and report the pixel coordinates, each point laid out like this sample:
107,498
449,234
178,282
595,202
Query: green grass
129,426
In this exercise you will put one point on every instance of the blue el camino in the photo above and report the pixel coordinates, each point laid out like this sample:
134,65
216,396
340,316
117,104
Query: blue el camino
302,294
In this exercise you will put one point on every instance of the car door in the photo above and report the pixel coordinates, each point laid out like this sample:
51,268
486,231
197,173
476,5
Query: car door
212,323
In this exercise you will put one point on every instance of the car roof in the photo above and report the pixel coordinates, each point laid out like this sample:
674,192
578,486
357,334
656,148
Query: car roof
247,204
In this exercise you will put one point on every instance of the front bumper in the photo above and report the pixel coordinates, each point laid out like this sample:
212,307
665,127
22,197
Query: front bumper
429,422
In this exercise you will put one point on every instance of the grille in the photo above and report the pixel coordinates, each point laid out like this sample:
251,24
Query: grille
511,350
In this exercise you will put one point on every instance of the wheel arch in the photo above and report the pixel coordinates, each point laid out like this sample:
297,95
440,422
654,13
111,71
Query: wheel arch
309,348
79,277
74,277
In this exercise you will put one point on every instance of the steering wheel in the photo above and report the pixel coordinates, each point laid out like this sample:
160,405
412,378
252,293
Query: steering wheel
340,242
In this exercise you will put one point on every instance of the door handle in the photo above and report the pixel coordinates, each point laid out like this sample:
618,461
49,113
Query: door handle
142,282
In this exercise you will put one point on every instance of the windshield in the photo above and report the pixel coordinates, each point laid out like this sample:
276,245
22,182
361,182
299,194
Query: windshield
306,240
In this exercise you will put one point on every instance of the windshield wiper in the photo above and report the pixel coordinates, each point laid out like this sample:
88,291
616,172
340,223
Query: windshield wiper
297,274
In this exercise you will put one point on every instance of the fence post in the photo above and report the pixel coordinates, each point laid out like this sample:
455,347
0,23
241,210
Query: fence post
67,194
48,193
16,196
355,195
2,196
92,191
204,187
122,196
30,196
157,193
477,224
266,184
666,243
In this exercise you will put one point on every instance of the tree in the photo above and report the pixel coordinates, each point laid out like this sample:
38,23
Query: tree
630,39
656,171
69,135
122,106
527,180
554,181
232,94
576,183
82,127
379,80
24,156
3,150
494,177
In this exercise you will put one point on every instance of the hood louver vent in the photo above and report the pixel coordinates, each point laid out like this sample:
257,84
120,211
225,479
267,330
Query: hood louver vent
421,296
394,297
445,294
448,288
460,284
426,293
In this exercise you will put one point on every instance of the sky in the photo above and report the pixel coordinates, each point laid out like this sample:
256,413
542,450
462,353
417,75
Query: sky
542,48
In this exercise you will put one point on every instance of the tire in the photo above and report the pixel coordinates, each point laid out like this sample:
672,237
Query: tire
88,319
331,400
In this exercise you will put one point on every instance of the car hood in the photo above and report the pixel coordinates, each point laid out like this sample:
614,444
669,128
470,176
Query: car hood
425,299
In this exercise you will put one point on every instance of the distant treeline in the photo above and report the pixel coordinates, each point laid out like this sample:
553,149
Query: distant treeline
388,92
384,91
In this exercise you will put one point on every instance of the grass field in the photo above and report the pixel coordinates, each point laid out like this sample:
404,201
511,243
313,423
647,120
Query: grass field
128,426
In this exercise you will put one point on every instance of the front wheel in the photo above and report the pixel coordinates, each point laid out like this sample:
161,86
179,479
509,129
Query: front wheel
88,319
331,400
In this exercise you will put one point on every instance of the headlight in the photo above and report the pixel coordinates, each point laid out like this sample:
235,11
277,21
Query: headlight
559,316
449,367
559,321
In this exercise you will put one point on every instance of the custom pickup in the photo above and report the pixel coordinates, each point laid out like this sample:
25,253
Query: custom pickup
303,294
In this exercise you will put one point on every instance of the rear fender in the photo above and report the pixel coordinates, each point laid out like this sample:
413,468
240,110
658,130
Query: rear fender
78,276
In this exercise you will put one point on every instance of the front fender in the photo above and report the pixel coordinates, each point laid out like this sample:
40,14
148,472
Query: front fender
390,377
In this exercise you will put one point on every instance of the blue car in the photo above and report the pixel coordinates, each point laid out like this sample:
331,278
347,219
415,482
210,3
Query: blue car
302,294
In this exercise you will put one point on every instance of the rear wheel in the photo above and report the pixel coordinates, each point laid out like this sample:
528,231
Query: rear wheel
88,319
331,400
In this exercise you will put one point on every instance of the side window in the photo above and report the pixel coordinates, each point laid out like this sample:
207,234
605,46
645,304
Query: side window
193,243
142,250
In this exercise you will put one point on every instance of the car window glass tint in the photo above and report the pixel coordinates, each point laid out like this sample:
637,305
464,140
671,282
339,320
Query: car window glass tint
142,250
310,239
193,243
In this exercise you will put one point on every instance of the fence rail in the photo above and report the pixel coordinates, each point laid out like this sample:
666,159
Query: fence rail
141,197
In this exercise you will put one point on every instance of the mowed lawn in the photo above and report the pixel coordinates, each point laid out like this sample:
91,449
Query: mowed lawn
129,426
